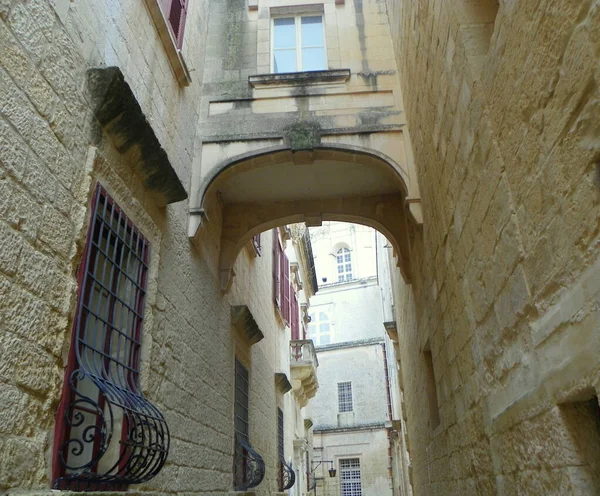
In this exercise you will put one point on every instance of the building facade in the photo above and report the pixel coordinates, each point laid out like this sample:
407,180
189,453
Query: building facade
144,144
353,414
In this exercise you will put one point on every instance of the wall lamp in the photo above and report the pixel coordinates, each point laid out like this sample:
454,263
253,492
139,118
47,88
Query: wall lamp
332,471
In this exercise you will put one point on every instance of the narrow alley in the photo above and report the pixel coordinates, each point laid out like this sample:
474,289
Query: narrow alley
303,247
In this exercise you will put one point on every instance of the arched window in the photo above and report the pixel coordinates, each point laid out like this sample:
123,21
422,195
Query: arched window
319,329
344,264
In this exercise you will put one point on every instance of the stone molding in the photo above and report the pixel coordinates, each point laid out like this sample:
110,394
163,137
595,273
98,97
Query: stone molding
300,78
243,320
119,114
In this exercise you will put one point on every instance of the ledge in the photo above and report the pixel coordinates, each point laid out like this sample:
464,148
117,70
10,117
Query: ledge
391,329
299,78
180,69
120,115
242,318
282,382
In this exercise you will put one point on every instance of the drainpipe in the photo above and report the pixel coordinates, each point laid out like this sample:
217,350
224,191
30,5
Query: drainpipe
389,407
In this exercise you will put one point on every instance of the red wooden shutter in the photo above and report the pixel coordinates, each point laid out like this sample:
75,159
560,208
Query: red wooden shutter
286,289
276,269
176,12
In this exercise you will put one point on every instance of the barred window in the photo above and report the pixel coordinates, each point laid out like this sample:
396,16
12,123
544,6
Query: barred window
248,465
241,400
344,265
350,477
345,396
107,434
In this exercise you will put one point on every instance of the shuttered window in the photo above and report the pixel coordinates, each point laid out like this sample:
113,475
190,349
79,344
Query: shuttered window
281,278
175,12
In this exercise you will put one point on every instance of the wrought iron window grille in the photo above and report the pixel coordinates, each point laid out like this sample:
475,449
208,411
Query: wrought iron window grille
287,475
108,434
249,466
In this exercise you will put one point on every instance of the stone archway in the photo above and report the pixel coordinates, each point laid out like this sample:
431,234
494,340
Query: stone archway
256,191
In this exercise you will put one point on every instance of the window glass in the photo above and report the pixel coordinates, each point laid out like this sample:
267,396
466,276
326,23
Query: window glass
312,31
344,264
298,51
313,59
284,45
319,329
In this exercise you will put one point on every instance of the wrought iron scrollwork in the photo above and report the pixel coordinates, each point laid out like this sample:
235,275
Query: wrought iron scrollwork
249,467
117,439
287,476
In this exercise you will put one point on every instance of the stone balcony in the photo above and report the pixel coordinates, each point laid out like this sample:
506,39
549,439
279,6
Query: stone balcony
303,370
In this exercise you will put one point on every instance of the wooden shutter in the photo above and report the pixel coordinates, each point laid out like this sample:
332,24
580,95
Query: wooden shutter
276,269
175,12
285,283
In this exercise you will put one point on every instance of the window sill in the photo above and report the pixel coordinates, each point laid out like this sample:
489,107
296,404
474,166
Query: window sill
180,69
299,78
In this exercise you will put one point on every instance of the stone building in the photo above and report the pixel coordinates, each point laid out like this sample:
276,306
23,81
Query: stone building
357,410
464,131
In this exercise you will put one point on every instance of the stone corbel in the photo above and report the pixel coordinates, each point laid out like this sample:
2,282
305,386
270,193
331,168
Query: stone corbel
282,382
252,4
243,320
414,208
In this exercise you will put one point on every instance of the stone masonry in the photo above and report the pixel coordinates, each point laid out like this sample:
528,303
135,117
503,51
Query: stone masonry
482,115
505,137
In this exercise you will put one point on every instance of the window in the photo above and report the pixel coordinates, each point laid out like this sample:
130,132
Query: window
287,476
107,434
434,410
298,44
175,11
344,397
319,329
350,477
344,264
579,432
248,465
281,278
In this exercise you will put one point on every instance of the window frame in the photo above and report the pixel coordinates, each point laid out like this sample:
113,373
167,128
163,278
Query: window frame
167,7
345,397
353,480
105,248
298,46
345,251
316,336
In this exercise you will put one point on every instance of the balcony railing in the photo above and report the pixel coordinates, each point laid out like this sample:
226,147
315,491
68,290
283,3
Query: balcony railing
303,368
302,352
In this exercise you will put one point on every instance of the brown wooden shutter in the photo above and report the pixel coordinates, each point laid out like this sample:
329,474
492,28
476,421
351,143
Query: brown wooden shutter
285,281
276,269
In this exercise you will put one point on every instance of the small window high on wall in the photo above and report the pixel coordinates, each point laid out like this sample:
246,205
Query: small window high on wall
298,44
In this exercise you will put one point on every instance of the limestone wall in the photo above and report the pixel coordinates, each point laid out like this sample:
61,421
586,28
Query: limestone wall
368,446
506,145
51,156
